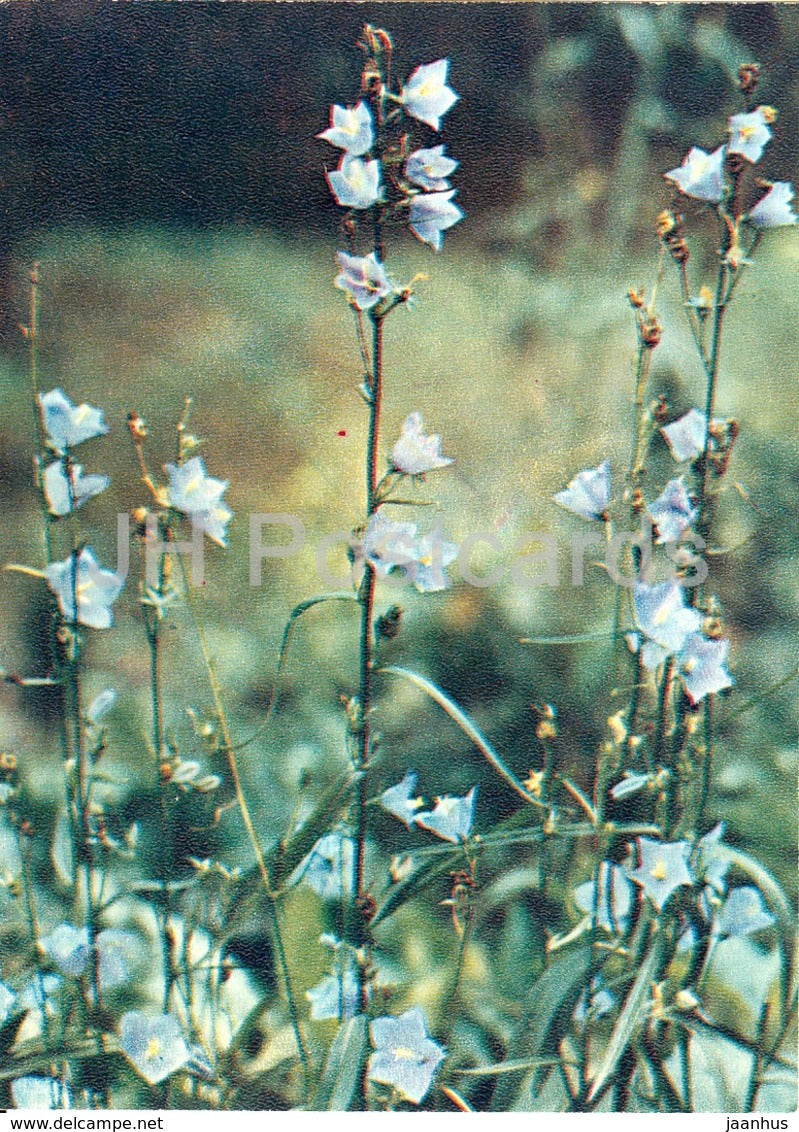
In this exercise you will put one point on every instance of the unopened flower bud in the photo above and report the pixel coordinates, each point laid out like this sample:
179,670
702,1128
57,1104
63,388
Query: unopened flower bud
138,427
769,114
748,77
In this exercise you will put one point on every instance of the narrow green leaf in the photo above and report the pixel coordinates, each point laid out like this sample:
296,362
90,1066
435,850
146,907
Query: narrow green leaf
631,1016
506,1067
341,1077
457,714
285,857
545,1018
430,870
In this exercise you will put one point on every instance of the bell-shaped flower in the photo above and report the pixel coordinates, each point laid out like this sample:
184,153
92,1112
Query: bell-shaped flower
452,817
154,1045
663,868
67,948
686,436
426,95
350,129
743,913
774,209
430,168
431,555
356,183
66,491
672,512
701,175
198,495
338,995
702,668
387,544
40,1093
749,134
328,867
401,800
588,494
664,619
405,1057
68,425
432,214
96,589
615,898
363,278
712,862
414,454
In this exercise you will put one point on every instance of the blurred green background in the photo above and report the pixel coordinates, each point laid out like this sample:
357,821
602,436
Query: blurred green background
159,162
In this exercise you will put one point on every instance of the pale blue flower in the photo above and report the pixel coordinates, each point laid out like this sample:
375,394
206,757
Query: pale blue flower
452,817
432,214
328,867
101,705
387,544
401,800
426,95
615,898
67,948
363,278
66,492
7,1000
749,134
743,913
431,555
38,993
590,1008
663,868
774,209
356,183
672,512
686,436
712,862
198,495
430,168
588,494
97,589
336,996
701,174
414,454
68,425
350,129
154,1044
404,1057
664,619
702,668
40,1093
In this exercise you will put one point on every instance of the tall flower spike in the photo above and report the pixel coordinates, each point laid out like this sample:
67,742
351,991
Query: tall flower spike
663,868
404,1057
350,129
672,512
363,278
452,818
426,95
429,169
749,134
588,494
774,209
414,453
97,589
68,425
432,214
701,175
356,183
